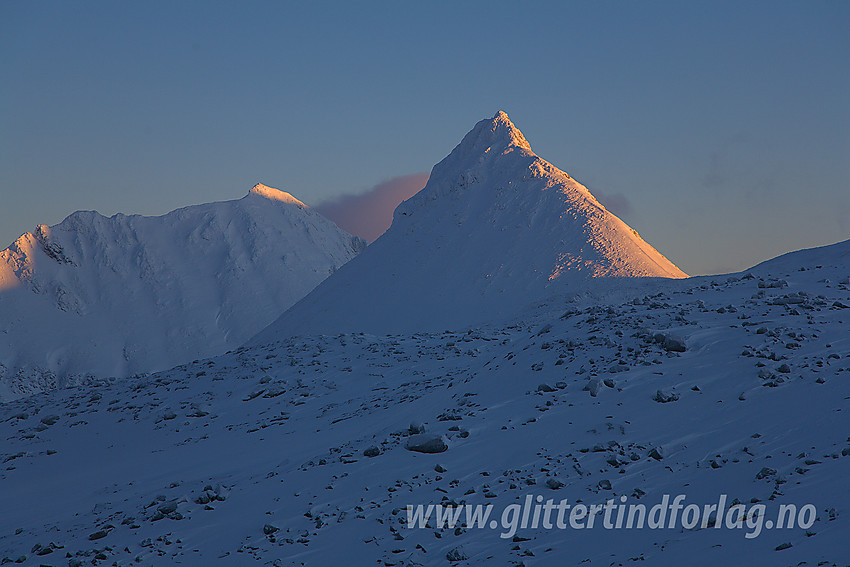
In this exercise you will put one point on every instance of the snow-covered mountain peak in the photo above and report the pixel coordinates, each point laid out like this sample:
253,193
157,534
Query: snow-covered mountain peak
493,136
120,295
495,229
274,194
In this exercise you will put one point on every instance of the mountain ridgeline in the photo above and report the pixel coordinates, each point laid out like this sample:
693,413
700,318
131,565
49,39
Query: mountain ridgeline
496,229
122,295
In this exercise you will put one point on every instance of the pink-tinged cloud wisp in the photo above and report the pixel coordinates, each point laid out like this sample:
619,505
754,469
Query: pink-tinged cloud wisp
368,215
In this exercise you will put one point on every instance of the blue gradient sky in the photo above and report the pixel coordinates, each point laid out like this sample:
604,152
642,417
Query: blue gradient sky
725,128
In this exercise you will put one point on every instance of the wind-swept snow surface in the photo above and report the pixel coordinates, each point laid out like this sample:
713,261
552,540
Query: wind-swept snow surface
495,229
301,452
127,294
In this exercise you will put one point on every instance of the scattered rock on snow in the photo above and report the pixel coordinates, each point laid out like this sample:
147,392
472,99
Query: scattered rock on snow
167,508
100,534
663,398
674,343
426,443
50,420
456,554
593,386
372,451
765,472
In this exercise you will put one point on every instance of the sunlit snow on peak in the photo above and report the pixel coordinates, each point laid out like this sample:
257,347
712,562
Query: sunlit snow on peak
274,194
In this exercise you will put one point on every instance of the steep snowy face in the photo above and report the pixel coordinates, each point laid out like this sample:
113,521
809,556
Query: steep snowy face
493,189
129,294
496,228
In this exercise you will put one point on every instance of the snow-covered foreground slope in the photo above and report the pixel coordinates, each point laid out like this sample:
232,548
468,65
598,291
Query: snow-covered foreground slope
495,229
260,457
127,294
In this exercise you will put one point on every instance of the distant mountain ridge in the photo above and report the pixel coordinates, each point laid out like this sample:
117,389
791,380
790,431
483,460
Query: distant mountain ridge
495,228
127,294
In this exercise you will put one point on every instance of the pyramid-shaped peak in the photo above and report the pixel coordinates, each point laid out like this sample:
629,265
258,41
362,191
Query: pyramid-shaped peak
495,231
274,194
497,133
502,117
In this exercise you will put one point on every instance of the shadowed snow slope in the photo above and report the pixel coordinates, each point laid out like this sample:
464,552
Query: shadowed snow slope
127,294
299,452
833,256
495,229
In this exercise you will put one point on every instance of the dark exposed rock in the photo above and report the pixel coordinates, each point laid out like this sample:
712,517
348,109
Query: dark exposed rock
372,451
50,419
663,398
765,472
674,343
426,443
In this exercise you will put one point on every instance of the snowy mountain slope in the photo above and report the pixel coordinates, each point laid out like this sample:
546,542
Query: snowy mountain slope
127,294
834,256
495,229
260,455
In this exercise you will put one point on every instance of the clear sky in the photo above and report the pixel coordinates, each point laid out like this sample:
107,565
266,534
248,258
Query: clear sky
722,129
